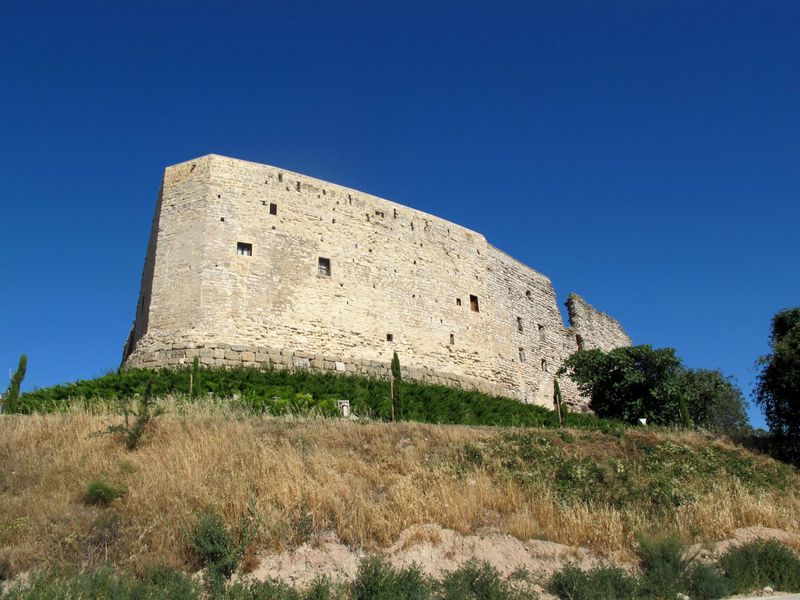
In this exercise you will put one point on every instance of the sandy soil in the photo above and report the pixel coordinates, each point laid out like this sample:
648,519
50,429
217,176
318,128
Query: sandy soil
439,550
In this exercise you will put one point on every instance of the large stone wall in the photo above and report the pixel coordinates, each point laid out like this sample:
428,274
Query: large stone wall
399,279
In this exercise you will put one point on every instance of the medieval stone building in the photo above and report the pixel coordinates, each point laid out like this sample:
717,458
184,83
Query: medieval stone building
253,265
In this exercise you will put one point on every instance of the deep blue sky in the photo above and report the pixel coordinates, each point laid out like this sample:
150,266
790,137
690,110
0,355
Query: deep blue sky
643,154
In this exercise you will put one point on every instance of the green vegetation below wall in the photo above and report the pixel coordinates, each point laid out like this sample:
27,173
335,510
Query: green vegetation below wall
280,392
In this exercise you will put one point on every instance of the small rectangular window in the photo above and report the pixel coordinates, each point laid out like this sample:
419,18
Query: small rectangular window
473,303
519,324
541,332
522,355
458,301
273,209
452,339
389,337
324,266
243,249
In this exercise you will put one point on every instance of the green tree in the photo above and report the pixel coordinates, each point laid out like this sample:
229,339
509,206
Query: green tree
714,401
397,381
11,399
629,383
778,389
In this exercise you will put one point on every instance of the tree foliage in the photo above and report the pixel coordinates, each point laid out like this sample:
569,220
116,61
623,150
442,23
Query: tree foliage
714,401
641,382
629,383
778,389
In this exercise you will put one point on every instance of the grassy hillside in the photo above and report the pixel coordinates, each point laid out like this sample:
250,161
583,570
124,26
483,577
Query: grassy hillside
366,482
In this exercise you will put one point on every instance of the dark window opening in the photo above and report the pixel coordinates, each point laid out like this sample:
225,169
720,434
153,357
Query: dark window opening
519,324
297,186
522,355
324,266
579,341
458,301
395,213
544,365
541,331
389,337
528,294
222,219
473,303
273,209
244,249
452,339
280,177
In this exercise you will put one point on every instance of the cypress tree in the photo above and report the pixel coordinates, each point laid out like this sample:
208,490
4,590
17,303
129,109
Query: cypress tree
12,394
397,381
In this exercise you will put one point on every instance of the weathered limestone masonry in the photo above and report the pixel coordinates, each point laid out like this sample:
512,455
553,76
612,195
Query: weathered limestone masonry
253,265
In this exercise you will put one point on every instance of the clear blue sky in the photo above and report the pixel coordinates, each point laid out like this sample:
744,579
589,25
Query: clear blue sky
643,154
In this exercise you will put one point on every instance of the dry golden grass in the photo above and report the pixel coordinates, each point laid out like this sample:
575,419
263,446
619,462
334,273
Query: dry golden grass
367,482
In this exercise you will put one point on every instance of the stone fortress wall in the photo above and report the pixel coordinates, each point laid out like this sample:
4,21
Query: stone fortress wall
253,265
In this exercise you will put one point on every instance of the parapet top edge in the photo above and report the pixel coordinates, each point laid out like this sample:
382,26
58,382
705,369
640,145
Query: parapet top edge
322,182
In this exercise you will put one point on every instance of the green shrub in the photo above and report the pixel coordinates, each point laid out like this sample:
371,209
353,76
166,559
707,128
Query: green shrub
602,583
663,566
759,564
259,590
377,580
281,391
98,492
480,581
156,584
705,582
213,545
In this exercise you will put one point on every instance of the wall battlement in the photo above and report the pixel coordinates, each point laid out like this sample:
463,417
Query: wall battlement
250,264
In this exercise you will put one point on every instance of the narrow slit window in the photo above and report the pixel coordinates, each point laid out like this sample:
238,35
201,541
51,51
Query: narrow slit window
452,339
244,249
522,355
458,301
544,365
579,341
324,266
541,332
389,337
519,324
528,294
273,208
473,303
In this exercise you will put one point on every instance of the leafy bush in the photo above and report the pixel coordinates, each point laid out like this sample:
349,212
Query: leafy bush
705,582
759,564
100,493
214,546
479,581
663,567
602,583
377,580
156,584
303,392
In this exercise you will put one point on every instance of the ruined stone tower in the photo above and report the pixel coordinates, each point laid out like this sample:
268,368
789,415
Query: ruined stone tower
253,265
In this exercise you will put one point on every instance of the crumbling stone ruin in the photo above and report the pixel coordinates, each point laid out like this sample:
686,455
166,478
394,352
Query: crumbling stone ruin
253,265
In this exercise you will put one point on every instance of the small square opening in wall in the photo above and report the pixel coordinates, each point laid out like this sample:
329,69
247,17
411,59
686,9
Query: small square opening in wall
473,303
324,266
458,301
244,249
273,208
389,337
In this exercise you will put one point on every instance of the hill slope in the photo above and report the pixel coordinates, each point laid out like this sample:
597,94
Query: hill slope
365,484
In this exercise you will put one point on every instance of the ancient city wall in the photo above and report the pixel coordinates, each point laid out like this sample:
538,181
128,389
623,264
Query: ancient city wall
251,264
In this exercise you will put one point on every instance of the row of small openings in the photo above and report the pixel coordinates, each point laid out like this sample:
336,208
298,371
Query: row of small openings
473,303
